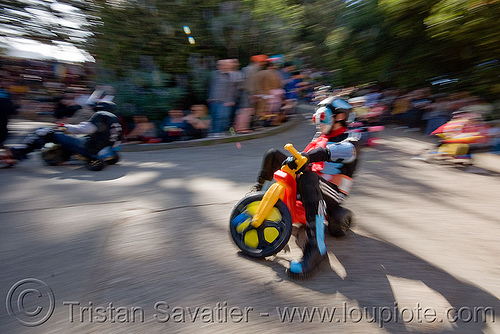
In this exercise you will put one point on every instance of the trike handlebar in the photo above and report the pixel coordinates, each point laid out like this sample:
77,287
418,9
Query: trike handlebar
299,158
289,147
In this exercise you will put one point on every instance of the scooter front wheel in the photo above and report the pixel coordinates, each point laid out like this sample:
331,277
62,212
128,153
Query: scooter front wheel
270,237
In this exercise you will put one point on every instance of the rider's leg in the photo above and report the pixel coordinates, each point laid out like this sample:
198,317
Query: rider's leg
71,143
331,194
333,198
32,142
270,163
315,249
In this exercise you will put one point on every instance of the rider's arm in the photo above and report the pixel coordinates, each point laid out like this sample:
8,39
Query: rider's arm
82,128
336,152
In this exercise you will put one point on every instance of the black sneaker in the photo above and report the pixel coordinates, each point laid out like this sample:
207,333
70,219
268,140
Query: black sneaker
18,152
311,261
256,187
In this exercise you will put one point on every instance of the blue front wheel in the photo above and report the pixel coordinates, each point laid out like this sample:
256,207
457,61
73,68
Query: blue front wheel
270,237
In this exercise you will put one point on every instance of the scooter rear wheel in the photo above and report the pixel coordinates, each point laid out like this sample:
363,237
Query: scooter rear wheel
270,237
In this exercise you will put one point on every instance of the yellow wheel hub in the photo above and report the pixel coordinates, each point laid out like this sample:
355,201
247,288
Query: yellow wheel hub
251,238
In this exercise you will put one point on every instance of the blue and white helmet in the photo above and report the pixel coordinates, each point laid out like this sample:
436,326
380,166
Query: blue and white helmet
324,117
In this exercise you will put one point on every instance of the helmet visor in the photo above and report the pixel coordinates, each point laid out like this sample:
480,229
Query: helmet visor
323,118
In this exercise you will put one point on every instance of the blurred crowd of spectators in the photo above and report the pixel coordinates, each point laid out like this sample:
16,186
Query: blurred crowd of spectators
239,100
261,94
423,111
417,110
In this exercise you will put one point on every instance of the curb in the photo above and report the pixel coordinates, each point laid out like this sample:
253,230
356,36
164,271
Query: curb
18,128
293,120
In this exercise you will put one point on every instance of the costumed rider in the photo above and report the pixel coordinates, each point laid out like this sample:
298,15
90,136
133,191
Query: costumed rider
325,180
102,131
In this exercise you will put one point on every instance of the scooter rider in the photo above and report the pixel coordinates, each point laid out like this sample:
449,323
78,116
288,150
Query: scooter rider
102,130
324,183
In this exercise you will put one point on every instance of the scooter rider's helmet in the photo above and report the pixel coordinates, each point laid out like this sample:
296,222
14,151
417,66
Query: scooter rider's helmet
105,106
324,116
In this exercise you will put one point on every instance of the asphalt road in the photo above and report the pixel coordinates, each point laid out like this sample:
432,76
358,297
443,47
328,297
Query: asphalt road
143,246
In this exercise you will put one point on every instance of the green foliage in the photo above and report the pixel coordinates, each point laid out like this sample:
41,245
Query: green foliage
146,93
199,77
222,29
397,42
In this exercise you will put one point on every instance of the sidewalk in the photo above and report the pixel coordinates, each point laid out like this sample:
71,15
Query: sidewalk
19,127
300,111
292,121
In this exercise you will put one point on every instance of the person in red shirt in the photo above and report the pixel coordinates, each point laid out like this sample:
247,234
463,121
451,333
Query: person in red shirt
325,183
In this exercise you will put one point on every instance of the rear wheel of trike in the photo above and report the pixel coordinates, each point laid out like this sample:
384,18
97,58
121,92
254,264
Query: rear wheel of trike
113,160
340,222
95,164
270,237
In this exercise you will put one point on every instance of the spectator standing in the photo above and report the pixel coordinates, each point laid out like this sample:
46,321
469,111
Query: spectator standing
372,97
358,108
220,98
65,105
237,81
247,101
294,85
399,109
293,88
287,72
418,106
438,113
270,84
388,97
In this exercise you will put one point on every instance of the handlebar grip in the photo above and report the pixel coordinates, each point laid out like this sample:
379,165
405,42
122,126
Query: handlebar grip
289,147
299,158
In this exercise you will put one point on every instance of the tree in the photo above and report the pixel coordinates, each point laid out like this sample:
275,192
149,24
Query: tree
397,42
49,22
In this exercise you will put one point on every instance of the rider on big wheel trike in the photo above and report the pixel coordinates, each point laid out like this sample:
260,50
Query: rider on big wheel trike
325,180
